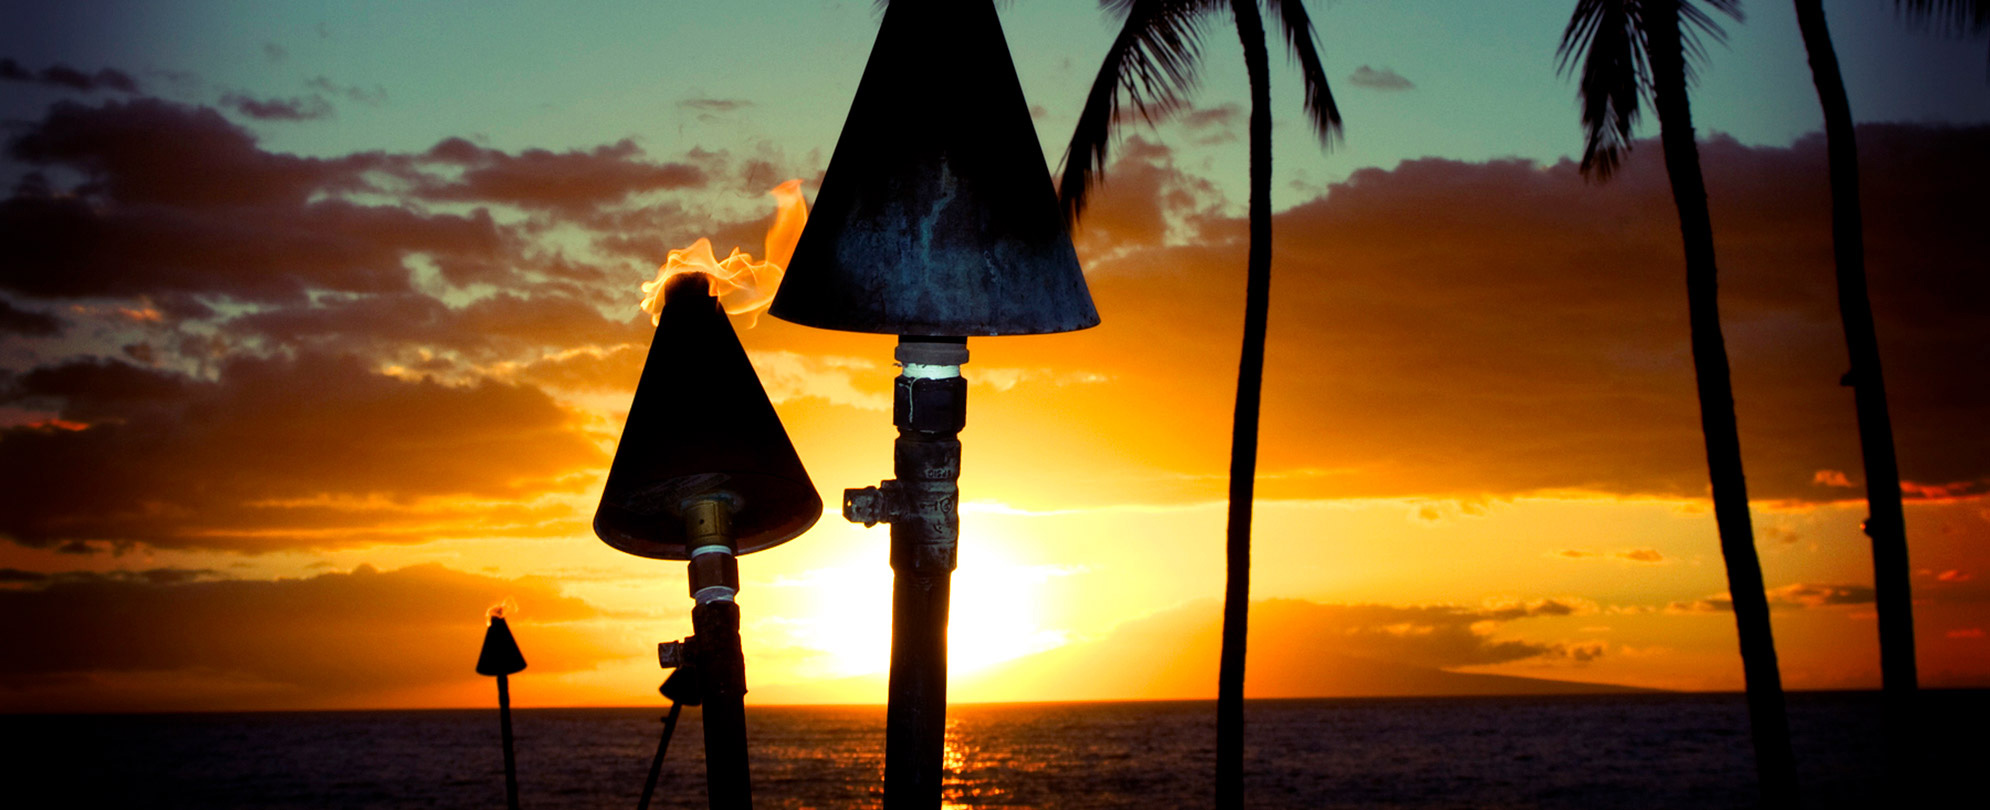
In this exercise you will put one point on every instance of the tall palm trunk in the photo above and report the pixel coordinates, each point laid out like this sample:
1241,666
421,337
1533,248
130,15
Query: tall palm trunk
1769,725
1244,427
1886,524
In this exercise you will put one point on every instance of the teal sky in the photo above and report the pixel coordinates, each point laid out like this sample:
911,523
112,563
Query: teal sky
516,75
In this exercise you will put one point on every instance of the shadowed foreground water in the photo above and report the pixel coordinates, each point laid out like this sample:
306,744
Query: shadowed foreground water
1591,752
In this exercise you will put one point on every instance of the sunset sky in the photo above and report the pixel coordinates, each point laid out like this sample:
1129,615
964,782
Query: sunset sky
318,323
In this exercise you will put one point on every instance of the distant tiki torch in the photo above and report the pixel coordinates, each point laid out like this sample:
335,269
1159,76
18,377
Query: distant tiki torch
501,657
936,221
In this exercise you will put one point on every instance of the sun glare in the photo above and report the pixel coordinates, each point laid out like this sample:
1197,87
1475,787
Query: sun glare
993,616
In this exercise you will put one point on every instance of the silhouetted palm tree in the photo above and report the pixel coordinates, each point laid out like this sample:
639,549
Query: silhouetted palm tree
1154,61
1885,523
1628,48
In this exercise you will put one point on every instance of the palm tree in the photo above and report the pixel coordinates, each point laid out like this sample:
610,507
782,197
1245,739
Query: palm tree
1886,521
1153,60
1629,49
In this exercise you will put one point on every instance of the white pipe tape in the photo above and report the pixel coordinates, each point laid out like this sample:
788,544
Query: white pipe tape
714,549
922,371
715,593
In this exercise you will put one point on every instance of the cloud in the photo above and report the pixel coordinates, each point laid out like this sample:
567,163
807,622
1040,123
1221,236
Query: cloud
715,105
1298,649
370,96
1502,328
1385,79
1798,595
1148,202
1719,603
181,202
1648,556
27,322
1207,126
1440,330
64,76
286,643
537,178
317,303
1222,115
1809,595
279,109
412,328
317,451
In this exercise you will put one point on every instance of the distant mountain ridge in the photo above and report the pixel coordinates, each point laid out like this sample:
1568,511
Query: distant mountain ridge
1172,656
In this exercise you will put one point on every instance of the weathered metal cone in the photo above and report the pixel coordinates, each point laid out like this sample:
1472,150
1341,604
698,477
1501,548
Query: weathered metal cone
701,426
937,215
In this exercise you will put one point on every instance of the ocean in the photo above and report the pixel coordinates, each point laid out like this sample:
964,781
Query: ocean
1628,752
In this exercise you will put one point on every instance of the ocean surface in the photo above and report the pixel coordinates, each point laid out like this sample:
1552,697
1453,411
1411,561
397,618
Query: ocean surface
1589,753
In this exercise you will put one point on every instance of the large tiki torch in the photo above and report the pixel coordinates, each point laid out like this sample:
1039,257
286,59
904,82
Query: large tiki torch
936,221
680,488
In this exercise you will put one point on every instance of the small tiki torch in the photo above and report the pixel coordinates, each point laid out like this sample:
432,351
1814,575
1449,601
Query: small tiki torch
501,658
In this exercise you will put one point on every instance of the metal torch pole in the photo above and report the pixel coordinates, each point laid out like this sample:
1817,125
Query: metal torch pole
504,730
715,622
929,406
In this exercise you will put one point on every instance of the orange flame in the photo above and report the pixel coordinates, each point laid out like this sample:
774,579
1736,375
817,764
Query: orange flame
742,285
502,609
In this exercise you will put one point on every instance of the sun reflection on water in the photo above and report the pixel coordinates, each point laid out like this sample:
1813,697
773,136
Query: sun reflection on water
965,781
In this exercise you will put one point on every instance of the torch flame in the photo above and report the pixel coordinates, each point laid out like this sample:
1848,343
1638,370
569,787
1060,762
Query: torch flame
502,609
742,285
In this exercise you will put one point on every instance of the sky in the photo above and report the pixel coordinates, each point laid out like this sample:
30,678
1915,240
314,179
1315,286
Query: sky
318,325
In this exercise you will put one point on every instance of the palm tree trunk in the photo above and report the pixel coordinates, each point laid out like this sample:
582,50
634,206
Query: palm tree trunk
1244,427
1769,725
1885,523
1886,526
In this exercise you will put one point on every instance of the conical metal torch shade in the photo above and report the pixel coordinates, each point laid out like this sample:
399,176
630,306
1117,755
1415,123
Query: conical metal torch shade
500,655
701,426
937,215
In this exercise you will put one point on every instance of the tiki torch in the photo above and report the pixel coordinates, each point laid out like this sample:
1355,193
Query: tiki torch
501,658
936,221
680,489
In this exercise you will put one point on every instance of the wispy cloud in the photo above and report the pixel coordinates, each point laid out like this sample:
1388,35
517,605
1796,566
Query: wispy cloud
64,76
1384,79
295,108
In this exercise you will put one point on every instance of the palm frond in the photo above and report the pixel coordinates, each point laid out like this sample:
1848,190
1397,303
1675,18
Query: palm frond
1606,39
1694,21
1153,61
1953,16
1299,39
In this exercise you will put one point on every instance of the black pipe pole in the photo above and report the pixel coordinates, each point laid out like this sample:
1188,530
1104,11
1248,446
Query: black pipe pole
714,580
929,406
728,782
504,729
